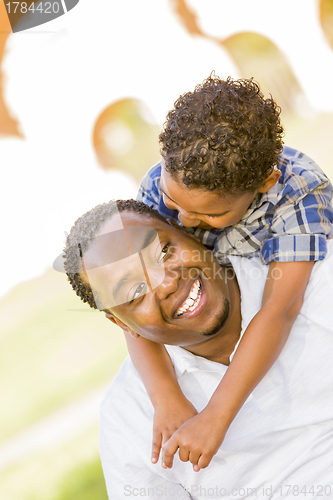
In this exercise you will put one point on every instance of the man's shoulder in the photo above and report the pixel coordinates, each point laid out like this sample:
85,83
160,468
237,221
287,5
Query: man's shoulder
126,380
251,275
319,291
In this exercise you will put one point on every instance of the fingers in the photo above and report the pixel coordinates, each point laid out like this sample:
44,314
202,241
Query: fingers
169,450
194,457
184,454
158,440
204,460
187,453
156,446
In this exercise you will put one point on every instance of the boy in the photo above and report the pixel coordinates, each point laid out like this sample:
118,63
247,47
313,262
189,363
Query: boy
225,175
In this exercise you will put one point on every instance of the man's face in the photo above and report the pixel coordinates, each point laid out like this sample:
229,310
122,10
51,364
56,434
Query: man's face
174,292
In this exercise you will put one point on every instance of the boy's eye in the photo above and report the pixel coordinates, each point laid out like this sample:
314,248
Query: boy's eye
166,200
136,291
217,215
162,254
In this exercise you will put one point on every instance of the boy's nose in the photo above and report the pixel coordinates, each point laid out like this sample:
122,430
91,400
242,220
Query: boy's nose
188,220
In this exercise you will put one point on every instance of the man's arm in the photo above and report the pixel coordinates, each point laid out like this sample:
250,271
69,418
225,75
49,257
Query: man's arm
198,440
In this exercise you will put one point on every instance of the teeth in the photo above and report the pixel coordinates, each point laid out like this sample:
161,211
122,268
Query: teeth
192,301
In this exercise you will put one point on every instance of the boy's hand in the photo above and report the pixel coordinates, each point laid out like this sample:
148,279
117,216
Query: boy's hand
198,440
167,419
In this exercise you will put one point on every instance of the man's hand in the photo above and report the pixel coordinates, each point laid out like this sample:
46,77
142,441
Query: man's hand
167,419
198,440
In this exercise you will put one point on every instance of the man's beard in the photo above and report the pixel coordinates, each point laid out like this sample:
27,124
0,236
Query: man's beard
221,319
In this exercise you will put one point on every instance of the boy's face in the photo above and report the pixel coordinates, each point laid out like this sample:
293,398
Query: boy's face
203,209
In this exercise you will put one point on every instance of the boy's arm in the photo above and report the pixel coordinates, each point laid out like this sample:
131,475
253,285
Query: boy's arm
261,344
171,407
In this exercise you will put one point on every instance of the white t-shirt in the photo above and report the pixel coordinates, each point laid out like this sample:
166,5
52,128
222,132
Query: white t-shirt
280,444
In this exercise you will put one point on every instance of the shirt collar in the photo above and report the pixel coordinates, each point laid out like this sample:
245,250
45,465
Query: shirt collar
185,361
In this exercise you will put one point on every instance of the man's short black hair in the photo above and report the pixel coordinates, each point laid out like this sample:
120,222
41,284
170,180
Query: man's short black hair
82,234
224,136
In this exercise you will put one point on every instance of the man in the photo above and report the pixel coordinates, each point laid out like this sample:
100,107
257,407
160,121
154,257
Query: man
127,261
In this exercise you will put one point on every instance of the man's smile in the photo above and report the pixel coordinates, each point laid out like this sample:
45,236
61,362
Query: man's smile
191,302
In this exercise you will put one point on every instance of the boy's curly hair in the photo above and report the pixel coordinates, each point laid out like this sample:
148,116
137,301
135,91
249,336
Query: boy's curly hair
224,136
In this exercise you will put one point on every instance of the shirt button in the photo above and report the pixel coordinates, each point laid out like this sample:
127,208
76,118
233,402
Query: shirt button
238,244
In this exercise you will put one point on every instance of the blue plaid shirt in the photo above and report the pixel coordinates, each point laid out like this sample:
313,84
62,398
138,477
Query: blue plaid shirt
290,222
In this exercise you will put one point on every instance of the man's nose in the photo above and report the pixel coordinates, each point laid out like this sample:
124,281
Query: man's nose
188,220
168,283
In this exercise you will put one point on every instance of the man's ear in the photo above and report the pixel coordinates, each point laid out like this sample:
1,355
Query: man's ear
270,181
122,325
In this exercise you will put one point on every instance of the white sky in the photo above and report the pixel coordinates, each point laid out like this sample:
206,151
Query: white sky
57,83
293,25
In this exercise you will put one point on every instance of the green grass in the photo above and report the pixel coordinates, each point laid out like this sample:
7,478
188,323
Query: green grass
53,350
84,483
66,472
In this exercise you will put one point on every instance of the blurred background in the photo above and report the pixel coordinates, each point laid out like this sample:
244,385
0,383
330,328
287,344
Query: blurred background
82,101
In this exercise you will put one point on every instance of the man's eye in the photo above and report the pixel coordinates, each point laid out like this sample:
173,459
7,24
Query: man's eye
137,291
162,254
